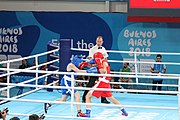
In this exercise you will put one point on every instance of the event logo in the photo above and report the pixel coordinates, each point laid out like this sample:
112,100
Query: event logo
9,39
139,41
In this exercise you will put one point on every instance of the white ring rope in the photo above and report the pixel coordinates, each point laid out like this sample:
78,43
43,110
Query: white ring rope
91,74
93,104
24,82
29,92
32,56
119,83
133,75
6,74
116,51
99,89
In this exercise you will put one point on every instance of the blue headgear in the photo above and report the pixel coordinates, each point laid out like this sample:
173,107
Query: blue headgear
76,60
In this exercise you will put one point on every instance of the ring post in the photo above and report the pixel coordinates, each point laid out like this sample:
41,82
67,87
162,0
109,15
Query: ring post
8,79
179,98
64,55
50,47
136,70
72,93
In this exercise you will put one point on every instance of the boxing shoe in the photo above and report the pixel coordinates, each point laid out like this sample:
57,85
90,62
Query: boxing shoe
80,114
46,107
105,101
124,113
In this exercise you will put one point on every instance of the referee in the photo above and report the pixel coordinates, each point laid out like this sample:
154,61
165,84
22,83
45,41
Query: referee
97,48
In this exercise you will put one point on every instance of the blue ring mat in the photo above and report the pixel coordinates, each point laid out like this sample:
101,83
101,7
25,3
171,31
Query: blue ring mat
104,113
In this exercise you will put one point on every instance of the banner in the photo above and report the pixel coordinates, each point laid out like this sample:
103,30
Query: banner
27,33
155,4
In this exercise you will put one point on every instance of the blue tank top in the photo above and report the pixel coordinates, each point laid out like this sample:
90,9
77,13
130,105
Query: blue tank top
159,68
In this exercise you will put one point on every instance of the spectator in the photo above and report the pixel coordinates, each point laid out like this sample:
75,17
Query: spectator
15,118
115,86
80,84
3,113
34,117
126,79
97,48
34,64
1,66
44,67
2,79
159,69
114,79
24,64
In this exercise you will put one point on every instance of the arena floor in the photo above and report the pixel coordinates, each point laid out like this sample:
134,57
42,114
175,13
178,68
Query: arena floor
103,113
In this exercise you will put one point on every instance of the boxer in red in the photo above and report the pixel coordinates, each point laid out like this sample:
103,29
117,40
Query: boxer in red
103,82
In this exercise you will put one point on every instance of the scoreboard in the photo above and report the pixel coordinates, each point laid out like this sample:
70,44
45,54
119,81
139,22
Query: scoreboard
154,10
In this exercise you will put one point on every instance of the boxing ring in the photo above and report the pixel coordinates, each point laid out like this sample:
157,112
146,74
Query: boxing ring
140,104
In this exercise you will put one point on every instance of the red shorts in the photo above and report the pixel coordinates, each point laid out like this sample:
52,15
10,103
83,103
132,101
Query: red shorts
97,93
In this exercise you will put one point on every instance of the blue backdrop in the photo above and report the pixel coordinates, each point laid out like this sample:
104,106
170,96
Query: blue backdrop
27,33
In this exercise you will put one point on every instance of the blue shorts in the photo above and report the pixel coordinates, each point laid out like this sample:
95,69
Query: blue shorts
66,83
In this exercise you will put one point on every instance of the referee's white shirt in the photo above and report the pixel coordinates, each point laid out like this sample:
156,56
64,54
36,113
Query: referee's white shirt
95,49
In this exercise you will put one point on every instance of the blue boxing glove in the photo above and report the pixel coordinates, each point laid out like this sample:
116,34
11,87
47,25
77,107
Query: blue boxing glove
92,70
76,60
91,61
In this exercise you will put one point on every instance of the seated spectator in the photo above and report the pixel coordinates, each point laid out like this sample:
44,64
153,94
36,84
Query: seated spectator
80,84
125,79
115,86
44,67
34,63
1,66
24,64
2,79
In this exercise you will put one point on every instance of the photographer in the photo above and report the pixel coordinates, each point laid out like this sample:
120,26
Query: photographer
36,117
3,113
15,118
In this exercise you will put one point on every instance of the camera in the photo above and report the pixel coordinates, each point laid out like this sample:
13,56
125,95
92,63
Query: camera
41,117
2,112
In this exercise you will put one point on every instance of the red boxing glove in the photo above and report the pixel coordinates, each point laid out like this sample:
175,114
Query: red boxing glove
83,64
99,63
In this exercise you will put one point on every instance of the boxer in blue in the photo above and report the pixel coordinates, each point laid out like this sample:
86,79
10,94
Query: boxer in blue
76,65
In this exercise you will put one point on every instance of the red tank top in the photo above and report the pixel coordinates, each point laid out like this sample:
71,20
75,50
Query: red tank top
108,70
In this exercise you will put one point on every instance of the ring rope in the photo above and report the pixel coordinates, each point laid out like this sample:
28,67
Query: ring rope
84,88
93,104
119,83
15,72
90,74
28,57
29,92
116,51
134,76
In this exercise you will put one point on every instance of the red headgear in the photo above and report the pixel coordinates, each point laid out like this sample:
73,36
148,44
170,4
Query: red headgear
98,55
